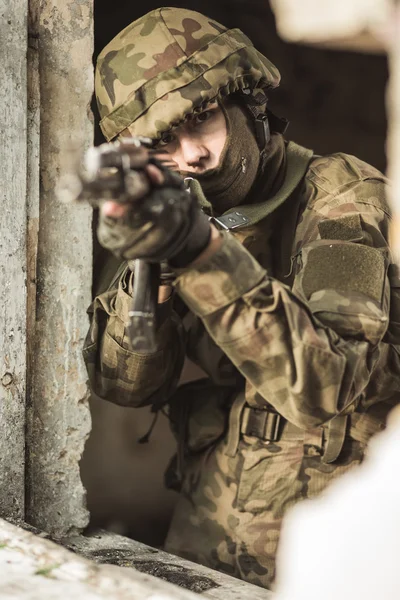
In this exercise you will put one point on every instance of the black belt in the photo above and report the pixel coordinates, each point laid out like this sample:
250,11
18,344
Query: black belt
267,425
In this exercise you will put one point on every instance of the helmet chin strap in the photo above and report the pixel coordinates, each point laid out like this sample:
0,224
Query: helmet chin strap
264,119
263,132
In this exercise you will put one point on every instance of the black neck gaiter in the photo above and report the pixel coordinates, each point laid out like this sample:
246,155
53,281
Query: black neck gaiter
228,184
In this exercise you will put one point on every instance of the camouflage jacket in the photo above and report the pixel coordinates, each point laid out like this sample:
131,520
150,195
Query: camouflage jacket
308,335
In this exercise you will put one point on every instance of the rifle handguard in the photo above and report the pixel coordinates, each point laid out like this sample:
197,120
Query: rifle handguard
143,312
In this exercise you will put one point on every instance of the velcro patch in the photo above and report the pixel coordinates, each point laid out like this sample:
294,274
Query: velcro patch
345,268
347,227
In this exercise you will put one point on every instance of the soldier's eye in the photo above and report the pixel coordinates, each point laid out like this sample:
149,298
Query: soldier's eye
203,117
166,138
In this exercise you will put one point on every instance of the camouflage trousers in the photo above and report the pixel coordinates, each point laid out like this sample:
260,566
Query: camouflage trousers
230,511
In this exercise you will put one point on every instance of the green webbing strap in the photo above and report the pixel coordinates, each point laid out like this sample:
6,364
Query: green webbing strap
197,191
235,421
336,433
297,161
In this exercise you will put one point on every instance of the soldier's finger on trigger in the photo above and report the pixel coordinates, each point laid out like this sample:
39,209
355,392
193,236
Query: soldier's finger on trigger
113,209
155,175
137,185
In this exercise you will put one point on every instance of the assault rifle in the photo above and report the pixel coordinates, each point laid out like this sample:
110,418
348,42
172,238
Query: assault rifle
115,171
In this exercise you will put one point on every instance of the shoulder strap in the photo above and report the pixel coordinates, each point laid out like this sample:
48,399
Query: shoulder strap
298,159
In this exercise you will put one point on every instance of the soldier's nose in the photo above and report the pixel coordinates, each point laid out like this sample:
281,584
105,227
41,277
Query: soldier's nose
193,153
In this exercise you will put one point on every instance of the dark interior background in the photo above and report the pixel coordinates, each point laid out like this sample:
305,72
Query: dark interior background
335,101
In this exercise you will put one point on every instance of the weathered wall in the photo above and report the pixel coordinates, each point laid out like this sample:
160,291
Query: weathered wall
342,24
34,568
58,416
13,156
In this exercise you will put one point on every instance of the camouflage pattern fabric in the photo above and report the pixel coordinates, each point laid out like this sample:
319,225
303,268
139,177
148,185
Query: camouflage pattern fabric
230,511
169,64
308,339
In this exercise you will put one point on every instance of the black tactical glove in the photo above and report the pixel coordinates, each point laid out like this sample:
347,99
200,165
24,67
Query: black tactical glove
165,225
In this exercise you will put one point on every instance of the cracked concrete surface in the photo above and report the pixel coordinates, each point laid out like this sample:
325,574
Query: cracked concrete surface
105,566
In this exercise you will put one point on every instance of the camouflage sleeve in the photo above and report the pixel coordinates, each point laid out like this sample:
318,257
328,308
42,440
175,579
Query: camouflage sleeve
118,374
310,350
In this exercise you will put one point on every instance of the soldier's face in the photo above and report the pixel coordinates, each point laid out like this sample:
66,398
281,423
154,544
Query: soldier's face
196,146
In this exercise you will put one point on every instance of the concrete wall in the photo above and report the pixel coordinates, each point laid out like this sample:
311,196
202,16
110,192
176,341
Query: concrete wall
13,160
58,415
34,568
45,262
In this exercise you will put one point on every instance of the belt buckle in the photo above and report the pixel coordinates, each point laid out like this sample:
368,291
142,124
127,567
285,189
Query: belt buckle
261,423
272,425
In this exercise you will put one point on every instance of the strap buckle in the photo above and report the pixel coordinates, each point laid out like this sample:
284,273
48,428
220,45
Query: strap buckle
261,423
263,133
231,220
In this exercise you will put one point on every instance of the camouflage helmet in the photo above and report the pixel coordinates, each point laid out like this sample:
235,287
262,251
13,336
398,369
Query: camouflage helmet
170,64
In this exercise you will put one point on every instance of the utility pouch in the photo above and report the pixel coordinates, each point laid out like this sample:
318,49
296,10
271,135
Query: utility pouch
199,414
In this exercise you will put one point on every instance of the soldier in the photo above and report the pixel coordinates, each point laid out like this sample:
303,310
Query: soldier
280,291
